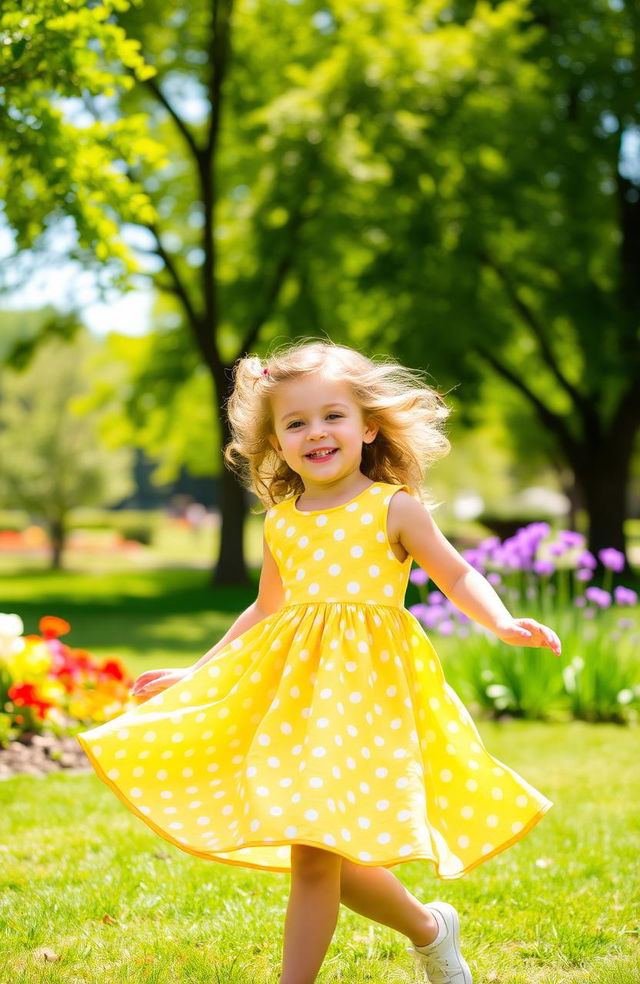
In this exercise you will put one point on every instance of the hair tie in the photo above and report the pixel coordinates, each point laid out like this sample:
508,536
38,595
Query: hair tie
265,372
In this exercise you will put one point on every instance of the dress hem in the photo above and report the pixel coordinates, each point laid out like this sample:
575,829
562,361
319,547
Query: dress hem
388,863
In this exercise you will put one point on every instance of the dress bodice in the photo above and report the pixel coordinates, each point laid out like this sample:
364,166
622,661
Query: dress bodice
341,554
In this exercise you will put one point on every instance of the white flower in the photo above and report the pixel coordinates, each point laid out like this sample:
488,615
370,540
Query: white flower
11,629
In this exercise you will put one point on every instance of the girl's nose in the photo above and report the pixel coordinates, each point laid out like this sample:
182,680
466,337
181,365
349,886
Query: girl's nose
317,430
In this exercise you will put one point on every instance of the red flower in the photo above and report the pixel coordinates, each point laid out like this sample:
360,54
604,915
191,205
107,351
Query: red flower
51,626
113,669
25,695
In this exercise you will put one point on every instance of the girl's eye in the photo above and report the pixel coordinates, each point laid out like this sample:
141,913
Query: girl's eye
289,426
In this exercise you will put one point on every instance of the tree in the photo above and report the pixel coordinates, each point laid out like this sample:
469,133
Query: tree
52,455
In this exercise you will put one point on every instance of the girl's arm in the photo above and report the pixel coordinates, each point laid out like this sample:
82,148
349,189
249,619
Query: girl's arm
414,527
270,599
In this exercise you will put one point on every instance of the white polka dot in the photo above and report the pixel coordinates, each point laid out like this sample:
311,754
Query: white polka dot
339,534
290,531
313,589
318,554
466,812
334,570
516,827
374,570
382,805
403,815
366,518
326,693
312,814
135,793
356,551
355,697
275,811
434,703
521,801
404,850
492,820
364,856
290,831
388,590
321,520
303,541
384,838
463,841
497,793
487,848
446,775
329,839
364,822
471,785
319,752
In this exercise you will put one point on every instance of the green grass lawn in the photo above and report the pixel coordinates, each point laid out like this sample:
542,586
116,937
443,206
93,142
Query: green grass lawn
86,881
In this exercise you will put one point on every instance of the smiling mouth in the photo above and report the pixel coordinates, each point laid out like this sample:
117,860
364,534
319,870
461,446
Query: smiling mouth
319,455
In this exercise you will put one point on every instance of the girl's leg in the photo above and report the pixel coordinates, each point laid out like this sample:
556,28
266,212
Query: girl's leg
377,894
312,912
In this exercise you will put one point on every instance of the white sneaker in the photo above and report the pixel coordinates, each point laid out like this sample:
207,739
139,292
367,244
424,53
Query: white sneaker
442,960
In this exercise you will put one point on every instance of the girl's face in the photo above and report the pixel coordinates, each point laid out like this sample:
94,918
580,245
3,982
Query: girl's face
311,415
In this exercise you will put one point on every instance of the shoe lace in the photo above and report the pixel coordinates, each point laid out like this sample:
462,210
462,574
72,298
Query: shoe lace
437,964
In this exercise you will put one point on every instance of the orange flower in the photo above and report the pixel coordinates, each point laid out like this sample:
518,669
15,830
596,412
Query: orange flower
51,626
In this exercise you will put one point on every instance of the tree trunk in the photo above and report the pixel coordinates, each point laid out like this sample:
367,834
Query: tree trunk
603,475
57,535
231,567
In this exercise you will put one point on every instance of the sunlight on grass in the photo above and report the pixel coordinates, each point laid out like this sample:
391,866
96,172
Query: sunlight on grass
84,879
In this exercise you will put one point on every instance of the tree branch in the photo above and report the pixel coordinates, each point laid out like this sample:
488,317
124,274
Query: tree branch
179,288
554,421
160,97
582,404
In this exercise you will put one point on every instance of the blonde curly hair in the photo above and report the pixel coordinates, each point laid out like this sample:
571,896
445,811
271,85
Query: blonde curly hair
408,412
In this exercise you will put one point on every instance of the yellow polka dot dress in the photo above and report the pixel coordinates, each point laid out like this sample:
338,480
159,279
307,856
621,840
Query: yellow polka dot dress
329,723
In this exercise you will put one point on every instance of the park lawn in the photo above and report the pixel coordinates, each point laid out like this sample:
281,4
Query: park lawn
84,879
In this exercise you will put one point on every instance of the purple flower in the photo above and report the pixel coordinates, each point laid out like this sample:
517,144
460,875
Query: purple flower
418,611
626,623
601,598
586,559
543,567
494,578
589,612
571,538
624,596
436,598
584,574
558,549
579,602
489,543
612,559
446,627
476,558
418,576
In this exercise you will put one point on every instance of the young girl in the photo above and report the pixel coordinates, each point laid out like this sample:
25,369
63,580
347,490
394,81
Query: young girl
319,736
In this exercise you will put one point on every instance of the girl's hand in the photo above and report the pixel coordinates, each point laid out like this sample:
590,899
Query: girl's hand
154,682
528,632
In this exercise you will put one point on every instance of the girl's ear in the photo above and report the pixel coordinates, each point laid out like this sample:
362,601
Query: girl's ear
273,441
370,433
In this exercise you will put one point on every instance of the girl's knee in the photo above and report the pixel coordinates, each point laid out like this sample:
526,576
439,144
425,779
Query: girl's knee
313,860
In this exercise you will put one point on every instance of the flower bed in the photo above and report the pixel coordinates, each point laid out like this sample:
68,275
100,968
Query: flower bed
49,688
546,577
